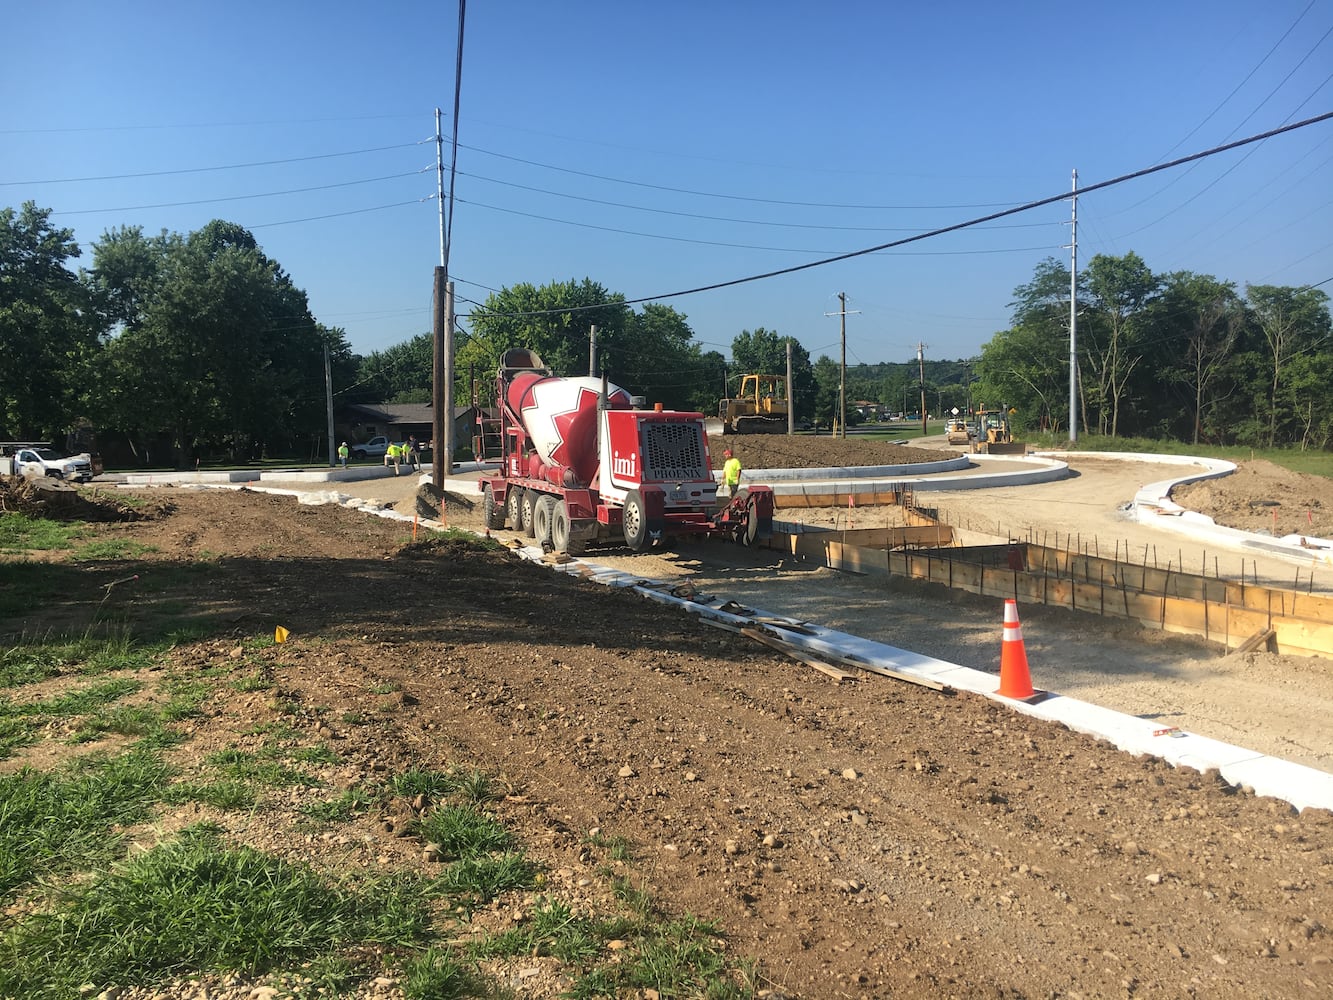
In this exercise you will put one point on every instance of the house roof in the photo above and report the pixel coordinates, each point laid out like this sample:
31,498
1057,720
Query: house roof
396,414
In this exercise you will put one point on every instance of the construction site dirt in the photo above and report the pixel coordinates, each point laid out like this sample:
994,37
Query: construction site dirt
864,839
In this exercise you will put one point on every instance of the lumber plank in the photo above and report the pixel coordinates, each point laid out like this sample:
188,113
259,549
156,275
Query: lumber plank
798,654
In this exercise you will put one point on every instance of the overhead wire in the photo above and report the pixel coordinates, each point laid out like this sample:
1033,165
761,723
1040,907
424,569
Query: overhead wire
1063,196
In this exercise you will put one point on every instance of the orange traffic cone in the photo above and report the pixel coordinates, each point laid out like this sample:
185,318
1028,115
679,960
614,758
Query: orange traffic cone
1015,681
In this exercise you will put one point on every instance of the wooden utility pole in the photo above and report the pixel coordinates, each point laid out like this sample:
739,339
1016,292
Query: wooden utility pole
842,376
328,401
442,380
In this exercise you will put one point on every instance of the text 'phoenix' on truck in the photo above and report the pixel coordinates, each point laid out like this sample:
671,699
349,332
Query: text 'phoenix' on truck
581,463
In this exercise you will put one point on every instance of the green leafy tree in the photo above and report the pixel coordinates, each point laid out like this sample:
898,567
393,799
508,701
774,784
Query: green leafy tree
216,347
1294,322
554,320
403,373
1206,317
48,332
1120,290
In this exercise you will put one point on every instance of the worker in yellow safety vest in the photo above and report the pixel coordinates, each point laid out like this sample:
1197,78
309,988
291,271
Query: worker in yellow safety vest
731,473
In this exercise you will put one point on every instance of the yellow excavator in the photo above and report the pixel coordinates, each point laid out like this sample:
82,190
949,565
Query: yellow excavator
760,408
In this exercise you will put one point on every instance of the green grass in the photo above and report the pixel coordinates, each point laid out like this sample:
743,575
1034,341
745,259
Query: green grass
21,533
30,661
51,824
82,911
197,903
111,548
463,832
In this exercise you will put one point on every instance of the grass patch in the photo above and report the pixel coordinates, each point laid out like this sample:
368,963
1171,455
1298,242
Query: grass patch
349,805
463,832
21,533
111,548
51,824
197,903
30,661
265,767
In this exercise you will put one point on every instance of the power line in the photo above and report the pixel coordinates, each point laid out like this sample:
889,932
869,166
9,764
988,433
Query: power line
204,170
1087,189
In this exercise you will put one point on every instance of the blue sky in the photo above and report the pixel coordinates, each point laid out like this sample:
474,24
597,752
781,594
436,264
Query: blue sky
658,147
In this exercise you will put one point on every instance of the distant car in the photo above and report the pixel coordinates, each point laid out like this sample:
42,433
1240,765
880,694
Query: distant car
376,447
48,462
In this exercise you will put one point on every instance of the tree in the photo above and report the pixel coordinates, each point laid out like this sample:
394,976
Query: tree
554,320
1119,289
216,348
1210,316
403,373
48,332
1293,322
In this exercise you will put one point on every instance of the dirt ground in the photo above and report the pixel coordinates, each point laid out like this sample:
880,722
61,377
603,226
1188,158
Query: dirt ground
870,839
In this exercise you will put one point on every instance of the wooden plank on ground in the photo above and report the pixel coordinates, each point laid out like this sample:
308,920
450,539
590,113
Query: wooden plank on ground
1255,641
798,654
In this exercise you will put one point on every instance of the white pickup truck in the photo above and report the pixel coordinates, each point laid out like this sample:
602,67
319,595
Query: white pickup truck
374,448
32,461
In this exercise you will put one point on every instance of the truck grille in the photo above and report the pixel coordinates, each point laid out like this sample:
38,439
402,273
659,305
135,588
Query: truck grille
673,451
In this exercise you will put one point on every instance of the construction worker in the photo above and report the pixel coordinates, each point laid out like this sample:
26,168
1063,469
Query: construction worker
391,455
343,452
731,473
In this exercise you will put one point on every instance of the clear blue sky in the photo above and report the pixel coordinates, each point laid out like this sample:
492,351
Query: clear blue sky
657,147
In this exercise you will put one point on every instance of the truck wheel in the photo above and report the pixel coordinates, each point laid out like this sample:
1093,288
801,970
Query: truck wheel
634,519
514,508
543,516
495,515
527,510
560,532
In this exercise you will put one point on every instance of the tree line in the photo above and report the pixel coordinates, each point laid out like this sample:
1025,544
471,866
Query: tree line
1178,355
201,345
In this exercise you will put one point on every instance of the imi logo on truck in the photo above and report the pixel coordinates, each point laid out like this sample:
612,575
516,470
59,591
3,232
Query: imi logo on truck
625,466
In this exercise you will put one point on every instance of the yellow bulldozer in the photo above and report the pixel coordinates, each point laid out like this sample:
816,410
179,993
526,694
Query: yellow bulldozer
760,408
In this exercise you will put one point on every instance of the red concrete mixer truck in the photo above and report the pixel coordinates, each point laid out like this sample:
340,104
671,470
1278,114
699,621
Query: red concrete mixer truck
581,462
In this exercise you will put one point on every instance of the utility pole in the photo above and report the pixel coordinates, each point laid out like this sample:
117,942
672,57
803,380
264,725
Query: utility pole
592,352
328,400
921,370
1073,316
842,376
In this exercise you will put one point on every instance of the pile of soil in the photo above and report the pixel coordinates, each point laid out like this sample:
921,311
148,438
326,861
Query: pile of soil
1265,499
58,501
778,451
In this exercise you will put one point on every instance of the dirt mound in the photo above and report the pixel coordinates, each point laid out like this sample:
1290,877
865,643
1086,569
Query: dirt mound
1263,498
777,451
59,501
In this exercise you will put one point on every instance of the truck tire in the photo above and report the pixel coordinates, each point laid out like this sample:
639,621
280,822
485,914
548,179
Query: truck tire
527,510
560,533
514,508
634,521
494,514
543,517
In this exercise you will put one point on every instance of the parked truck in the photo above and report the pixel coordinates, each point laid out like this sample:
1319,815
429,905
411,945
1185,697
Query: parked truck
583,461
29,458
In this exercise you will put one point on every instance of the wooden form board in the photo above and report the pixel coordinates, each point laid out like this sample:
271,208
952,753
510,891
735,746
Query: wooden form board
1302,624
